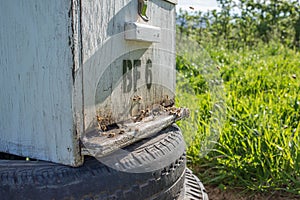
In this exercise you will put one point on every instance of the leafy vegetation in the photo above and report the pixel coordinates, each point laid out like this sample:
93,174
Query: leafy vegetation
255,51
244,23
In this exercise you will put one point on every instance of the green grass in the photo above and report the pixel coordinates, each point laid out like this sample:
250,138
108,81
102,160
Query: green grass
258,147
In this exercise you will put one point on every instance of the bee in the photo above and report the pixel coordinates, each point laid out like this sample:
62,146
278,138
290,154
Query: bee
171,112
99,119
103,127
137,98
167,101
174,111
141,116
178,112
171,108
147,112
111,135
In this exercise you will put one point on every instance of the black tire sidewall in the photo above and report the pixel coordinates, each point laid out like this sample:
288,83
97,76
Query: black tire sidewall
163,152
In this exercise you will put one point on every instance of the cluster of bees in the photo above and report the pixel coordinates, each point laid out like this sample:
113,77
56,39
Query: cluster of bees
174,111
101,123
142,115
102,127
166,106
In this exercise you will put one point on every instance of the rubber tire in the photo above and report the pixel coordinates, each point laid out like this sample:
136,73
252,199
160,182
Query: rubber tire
43,180
193,189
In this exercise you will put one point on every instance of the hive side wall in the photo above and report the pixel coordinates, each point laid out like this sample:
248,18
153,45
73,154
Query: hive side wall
116,69
36,65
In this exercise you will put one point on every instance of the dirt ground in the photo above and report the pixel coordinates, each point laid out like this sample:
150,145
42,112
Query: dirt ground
215,193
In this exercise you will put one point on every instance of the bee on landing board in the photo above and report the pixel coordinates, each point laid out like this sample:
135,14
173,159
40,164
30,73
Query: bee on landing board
141,116
111,135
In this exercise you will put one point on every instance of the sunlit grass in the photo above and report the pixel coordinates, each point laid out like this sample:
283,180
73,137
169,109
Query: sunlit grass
259,145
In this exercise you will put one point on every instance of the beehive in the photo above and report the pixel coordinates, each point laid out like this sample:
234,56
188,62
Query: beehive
63,63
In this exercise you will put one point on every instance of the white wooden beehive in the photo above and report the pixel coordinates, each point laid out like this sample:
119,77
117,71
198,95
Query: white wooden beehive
63,63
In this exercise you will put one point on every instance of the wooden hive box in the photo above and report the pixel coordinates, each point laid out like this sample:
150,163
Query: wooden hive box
63,63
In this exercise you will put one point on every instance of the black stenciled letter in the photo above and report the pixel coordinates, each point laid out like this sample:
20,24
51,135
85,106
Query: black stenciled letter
148,74
127,75
136,73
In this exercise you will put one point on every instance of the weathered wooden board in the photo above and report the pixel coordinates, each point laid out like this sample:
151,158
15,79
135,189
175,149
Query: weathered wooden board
115,70
99,144
36,94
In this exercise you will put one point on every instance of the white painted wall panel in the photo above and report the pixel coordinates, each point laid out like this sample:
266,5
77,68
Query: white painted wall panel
36,61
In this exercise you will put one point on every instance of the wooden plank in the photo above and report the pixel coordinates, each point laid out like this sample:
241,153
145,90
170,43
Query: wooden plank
100,144
36,62
77,75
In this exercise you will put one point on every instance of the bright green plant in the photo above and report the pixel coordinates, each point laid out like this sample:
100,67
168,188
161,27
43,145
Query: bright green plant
259,146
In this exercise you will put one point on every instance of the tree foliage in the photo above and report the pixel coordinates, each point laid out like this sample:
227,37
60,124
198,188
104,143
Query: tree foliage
240,23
